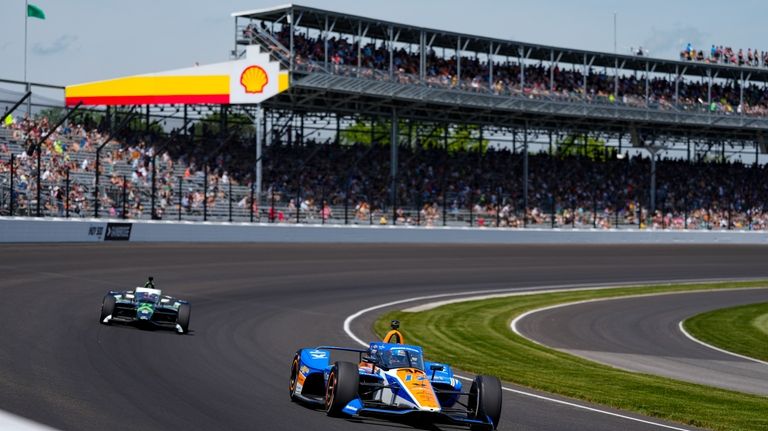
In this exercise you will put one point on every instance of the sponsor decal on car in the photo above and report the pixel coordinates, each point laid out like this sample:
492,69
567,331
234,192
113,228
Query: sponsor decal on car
318,354
417,383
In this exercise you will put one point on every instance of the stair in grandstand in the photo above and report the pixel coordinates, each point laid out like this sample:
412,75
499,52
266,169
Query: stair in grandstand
268,44
271,46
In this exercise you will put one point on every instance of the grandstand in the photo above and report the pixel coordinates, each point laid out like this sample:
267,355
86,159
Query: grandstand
413,85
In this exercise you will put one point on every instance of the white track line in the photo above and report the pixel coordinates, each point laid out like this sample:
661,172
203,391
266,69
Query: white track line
11,422
348,329
696,340
516,320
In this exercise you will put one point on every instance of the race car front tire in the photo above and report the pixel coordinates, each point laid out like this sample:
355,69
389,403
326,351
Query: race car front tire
485,400
182,319
341,388
107,308
294,377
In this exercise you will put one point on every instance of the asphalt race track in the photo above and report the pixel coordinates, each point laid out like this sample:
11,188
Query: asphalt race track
642,334
252,307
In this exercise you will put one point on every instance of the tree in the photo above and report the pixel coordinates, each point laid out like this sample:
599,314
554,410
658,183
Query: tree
574,145
424,135
239,124
54,115
466,137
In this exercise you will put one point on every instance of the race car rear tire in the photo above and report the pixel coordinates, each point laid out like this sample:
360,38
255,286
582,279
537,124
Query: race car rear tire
294,377
107,308
341,388
485,400
182,319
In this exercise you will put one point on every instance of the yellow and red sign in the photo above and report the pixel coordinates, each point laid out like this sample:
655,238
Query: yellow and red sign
254,79
248,81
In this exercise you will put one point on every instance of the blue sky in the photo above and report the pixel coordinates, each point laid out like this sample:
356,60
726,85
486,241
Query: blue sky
85,40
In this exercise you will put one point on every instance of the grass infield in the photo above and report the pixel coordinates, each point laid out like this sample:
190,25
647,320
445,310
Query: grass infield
475,336
742,330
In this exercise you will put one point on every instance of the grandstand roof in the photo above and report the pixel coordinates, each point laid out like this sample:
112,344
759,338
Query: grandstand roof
314,18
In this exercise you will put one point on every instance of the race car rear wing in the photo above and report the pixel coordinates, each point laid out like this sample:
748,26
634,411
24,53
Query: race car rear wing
344,349
360,352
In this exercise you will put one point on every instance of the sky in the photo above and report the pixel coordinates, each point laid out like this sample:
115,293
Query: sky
87,40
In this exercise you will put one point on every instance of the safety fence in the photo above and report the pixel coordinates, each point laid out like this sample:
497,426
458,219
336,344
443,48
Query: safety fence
67,178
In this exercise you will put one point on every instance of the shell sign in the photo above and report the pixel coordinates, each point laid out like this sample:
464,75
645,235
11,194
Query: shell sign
250,80
254,79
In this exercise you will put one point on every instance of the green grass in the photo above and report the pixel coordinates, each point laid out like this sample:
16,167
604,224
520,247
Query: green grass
742,330
475,336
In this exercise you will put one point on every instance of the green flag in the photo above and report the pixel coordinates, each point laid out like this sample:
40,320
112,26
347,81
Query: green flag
35,12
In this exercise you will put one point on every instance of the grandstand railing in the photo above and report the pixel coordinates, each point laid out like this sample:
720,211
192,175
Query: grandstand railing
268,41
182,199
67,182
694,111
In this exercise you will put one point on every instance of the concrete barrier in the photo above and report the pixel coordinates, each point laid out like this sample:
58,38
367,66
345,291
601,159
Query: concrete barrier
25,229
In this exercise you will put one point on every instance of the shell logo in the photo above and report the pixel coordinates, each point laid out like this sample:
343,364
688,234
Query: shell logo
254,79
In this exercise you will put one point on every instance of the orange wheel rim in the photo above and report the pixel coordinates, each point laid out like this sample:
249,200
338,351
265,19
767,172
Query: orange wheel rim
294,375
330,391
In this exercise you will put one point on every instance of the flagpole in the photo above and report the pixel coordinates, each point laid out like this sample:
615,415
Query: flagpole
26,18
29,87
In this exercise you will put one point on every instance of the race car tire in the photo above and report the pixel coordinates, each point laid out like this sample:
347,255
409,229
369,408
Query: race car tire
485,400
341,388
183,317
294,376
107,308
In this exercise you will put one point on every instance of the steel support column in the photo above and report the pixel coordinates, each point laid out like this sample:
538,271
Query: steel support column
445,185
66,195
490,67
181,194
393,164
422,55
290,39
325,44
38,211
653,185
391,47
551,70
525,174
458,61
205,191
13,173
257,124
338,129
741,92
521,53
616,79
153,212
648,71
125,198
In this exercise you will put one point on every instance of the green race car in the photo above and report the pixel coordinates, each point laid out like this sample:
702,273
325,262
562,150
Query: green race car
146,306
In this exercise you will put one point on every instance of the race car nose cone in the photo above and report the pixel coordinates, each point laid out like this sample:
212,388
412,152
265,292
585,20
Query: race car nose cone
144,313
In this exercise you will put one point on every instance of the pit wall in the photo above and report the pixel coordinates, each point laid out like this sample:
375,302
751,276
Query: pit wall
31,230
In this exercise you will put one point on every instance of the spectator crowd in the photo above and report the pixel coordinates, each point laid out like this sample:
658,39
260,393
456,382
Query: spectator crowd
567,84
717,54
125,173
323,181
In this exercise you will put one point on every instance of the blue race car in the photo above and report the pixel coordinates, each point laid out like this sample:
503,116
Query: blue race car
146,305
393,380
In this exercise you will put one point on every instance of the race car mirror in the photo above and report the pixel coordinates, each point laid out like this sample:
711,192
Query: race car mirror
435,368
